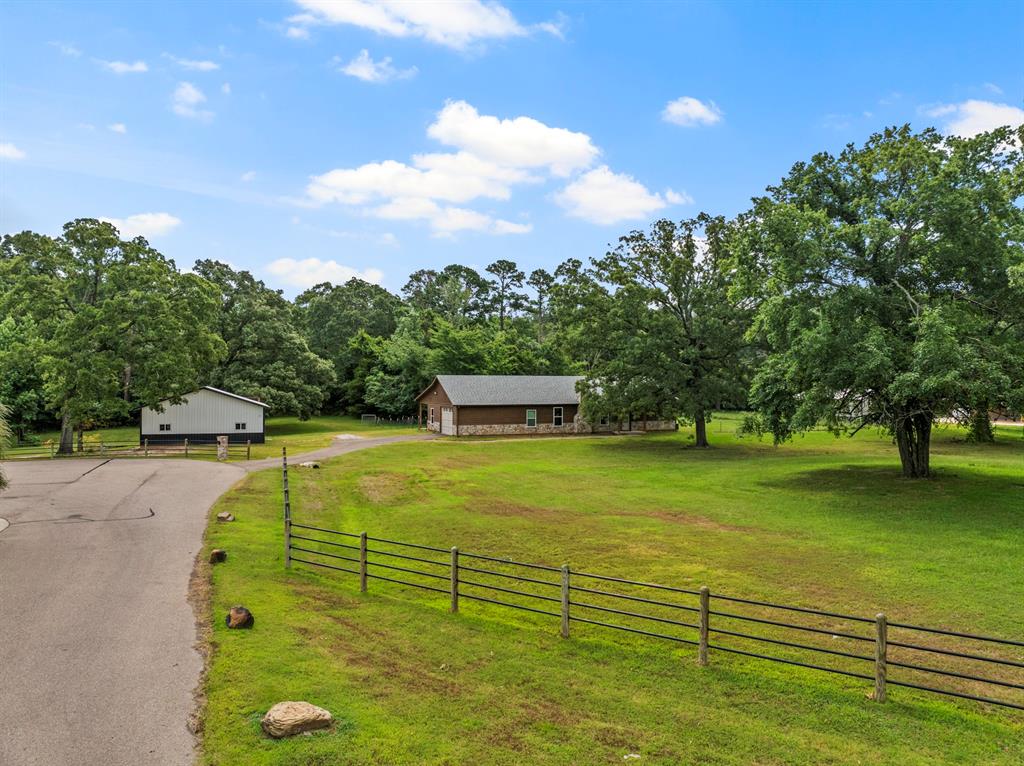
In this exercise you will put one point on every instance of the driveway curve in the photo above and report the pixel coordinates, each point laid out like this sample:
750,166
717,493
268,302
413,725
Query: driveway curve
97,656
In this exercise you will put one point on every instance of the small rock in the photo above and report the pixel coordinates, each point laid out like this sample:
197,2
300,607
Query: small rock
309,464
240,617
218,555
225,516
288,718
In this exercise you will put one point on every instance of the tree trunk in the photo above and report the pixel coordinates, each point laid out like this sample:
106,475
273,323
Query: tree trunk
67,435
700,427
913,437
980,427
81,438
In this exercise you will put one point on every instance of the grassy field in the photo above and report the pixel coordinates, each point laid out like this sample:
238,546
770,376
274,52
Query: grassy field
822,522
297,435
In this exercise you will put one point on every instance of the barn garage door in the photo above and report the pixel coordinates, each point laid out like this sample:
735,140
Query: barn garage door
447,421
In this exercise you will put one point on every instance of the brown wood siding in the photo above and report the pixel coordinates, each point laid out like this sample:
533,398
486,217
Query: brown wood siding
434,397
511,415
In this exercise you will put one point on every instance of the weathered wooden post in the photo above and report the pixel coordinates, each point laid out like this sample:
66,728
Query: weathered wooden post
222,448
287,509
455,580
705,613
881,650
565,601
362,562
51,449
248,449
145,448
186,448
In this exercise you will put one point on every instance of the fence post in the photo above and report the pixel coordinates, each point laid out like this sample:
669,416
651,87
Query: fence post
51,449
287,509
248,449
186,447
146,447
362,562
881,649
565,601
705,614
455,580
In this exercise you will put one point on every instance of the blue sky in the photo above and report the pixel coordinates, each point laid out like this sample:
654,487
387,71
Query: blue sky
262,135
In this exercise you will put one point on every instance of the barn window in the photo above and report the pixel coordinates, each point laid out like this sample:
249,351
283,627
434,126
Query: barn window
239,426
531,418
165,426
556,416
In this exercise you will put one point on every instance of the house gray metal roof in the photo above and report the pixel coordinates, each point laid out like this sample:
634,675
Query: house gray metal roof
504,390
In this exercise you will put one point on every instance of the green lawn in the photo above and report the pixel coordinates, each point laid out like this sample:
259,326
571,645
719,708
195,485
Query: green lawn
297,435
821,522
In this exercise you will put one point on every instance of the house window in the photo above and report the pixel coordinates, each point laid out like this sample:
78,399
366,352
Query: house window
431,414
604,420
531,418
239,426
165,426
556,417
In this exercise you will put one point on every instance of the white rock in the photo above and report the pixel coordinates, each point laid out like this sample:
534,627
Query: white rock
286,719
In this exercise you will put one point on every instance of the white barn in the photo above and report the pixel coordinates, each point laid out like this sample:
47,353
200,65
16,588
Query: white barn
202,416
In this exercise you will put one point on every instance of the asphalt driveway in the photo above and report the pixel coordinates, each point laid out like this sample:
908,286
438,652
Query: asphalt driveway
97,657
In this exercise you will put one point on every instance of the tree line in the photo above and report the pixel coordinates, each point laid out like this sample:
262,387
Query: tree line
879,287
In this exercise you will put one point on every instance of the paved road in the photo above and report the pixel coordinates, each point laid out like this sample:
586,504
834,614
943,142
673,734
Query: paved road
97,664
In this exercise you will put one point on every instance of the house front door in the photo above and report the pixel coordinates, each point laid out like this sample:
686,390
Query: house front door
447,421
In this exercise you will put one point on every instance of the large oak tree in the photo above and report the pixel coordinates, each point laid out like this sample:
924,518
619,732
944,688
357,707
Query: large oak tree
117,325
884,274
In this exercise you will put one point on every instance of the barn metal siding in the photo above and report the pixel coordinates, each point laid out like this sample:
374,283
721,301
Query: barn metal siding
201,414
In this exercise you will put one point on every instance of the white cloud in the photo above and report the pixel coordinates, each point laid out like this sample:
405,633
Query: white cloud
312,271
601,196
9,151
368,70
118,127
450,177
145,225
249,175
691,112
123,67
226,89
186,100
458,25
194,65
297,33
494,156
973,116
519,142
67,49
991,87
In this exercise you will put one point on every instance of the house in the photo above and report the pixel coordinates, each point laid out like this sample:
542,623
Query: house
202,416
479,405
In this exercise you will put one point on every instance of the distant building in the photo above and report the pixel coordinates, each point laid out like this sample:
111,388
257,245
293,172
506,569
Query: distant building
202,416
481,405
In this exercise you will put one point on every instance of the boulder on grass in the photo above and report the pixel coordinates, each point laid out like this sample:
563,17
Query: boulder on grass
309,464
286,719
218,555
240,617
225,516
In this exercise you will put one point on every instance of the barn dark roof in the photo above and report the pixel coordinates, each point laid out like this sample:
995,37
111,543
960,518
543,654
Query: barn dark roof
477,390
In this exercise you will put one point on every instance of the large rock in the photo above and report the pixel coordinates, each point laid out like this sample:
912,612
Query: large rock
225,516
240,617
286,719
309,464
218,555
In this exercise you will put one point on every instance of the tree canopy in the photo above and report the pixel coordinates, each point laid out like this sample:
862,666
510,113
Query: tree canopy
884,282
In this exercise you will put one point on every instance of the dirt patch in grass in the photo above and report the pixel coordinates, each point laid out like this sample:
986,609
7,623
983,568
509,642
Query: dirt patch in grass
701,522
384,488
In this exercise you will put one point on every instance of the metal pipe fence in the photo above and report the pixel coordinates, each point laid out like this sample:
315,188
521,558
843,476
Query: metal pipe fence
959,664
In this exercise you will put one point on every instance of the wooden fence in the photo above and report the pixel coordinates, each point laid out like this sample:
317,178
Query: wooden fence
874,650
108,449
